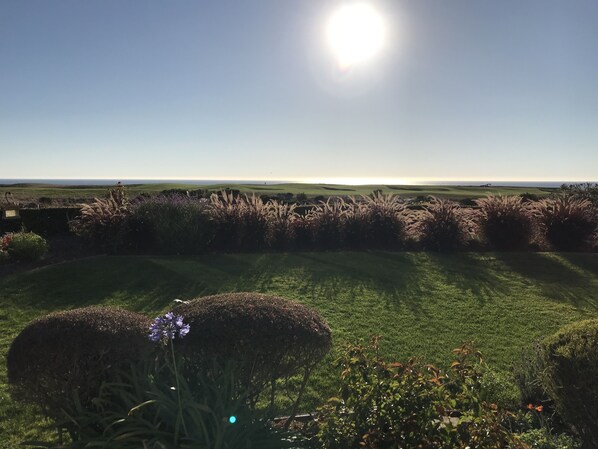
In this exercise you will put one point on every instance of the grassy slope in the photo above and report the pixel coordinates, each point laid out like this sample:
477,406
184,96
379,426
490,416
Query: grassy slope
35,191
423,304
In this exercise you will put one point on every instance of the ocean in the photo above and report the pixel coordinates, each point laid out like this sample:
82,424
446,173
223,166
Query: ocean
108,182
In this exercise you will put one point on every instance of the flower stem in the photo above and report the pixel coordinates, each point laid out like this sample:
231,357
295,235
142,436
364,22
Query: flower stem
178,390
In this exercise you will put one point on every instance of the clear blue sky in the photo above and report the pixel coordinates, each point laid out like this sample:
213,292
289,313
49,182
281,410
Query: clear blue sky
476,89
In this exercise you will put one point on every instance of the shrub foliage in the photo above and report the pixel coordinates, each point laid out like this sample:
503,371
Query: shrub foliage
270,337
390,405
568,223
24,246
443,226
73,351
571,376
505,222
103,221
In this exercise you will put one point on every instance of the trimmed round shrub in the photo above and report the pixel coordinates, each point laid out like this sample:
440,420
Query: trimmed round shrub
268,336
571,377
567,223
73,351
505,222
25,246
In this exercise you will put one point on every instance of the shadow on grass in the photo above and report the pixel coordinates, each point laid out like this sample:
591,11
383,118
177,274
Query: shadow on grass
392,277
474,274
556,273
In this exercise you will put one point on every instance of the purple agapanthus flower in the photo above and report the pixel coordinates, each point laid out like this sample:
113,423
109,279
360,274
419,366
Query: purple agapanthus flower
168,327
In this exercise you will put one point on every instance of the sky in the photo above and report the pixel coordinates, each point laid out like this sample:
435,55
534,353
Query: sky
460,90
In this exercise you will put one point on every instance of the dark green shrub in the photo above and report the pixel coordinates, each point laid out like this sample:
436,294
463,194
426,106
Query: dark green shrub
571,377
24,246
48,221
584,191
269,337
170,225
567,223
385,405
505,222
73,351
443,226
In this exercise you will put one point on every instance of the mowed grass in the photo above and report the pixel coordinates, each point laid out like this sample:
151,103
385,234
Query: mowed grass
32,192
423,304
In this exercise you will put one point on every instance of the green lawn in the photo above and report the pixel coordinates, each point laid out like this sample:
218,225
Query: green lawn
32,192
423,304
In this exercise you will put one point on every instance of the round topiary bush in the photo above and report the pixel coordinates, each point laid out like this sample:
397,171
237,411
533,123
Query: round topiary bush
571,376
73,351
270,337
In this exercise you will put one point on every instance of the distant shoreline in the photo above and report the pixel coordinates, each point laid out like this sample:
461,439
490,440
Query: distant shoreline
200,182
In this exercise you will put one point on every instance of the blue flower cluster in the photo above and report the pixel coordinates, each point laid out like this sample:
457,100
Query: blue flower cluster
168,327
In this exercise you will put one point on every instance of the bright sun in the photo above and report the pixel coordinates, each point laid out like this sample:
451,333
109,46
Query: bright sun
355,33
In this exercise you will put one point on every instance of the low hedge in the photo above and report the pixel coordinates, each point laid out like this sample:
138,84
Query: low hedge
270,337
73,351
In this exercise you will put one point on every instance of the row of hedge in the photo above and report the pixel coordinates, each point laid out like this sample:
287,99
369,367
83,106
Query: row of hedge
88,368
182,225
205,365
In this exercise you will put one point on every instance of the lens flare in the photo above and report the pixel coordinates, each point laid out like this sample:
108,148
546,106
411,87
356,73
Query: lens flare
356,32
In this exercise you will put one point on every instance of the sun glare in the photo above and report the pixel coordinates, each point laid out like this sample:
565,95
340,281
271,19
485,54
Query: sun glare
355,33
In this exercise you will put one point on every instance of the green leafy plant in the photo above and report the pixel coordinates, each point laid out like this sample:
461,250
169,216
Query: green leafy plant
389,405
544,439
571,377
505,222
24,246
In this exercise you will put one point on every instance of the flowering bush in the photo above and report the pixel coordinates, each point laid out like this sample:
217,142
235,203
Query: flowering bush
24,246
154,405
